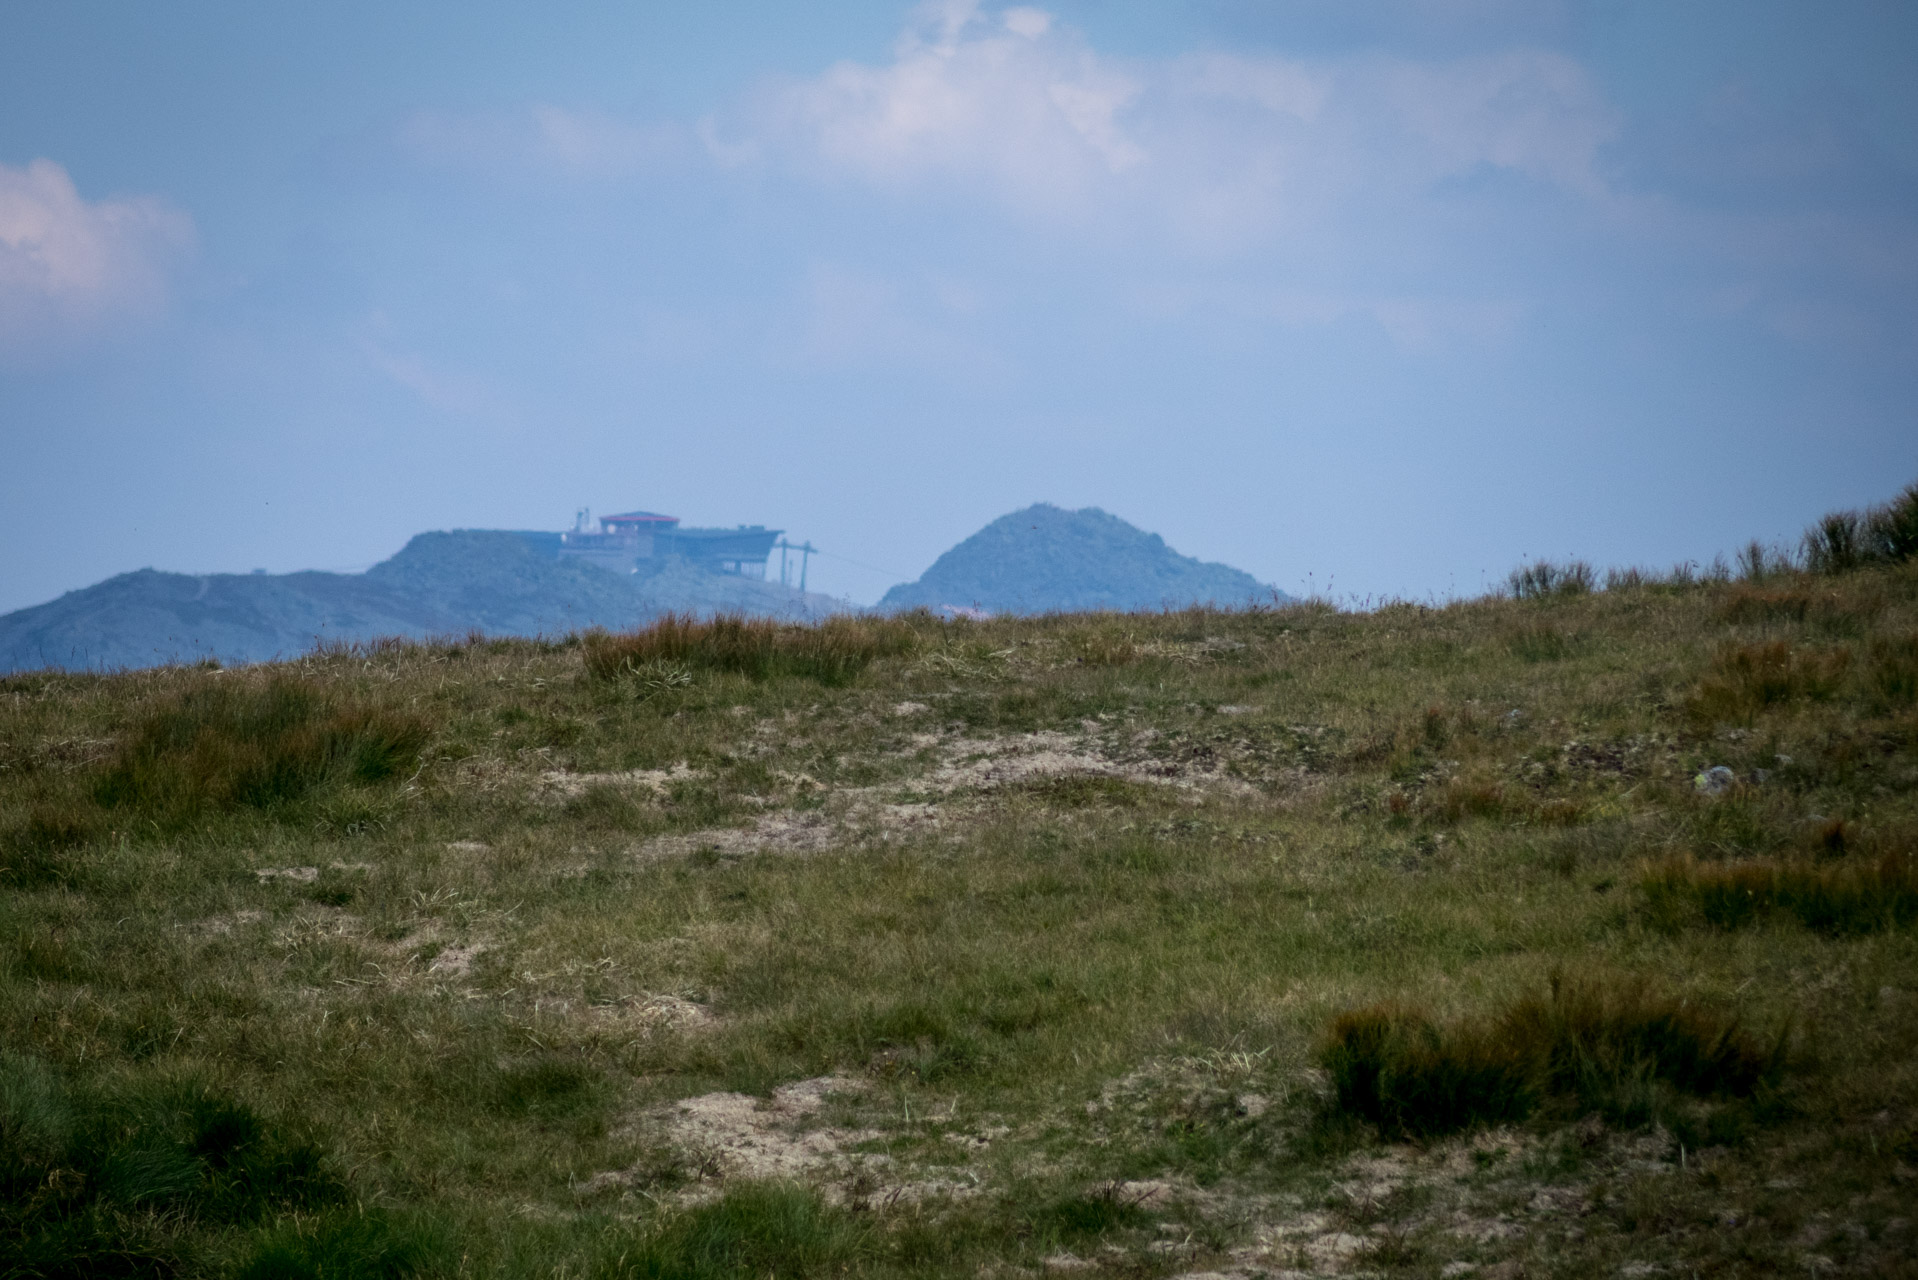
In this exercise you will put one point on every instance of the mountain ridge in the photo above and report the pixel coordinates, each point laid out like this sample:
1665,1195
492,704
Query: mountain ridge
439,584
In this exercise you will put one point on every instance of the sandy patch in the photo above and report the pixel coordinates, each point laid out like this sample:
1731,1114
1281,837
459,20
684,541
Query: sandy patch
786,831
220,926
455,961
565,785
743,1137
962,766
646,1015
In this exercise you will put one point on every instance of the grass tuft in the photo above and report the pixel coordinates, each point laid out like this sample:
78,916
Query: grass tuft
86,1175
1582,1048
756,1229
346,1244
1076,1219
1542,579
1844,541
221,747
832,652
1393,1066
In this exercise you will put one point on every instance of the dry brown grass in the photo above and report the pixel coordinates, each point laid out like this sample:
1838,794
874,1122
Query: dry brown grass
832,652
1747,679
1853,896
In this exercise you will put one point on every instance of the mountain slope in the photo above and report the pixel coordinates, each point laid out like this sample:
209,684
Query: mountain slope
1045,558
500,583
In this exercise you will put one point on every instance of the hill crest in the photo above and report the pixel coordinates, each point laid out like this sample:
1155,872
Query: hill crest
1045,559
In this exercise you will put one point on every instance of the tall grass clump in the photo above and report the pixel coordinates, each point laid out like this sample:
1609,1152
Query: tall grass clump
1849,897
98,1183
832,652
1542,579
1582,1048
226,746
1746,679
1395,1067
1758,563
1845,540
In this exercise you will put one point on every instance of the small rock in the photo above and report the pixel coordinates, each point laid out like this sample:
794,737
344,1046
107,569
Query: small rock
1715,781
908,708
299,875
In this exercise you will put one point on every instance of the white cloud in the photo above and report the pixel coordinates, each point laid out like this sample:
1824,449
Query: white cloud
1219,149
69,268
1017,102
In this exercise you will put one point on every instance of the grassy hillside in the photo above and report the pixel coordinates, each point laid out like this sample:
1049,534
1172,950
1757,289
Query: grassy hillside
1563,935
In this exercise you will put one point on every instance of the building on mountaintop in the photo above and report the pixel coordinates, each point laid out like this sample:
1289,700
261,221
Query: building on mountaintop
623,541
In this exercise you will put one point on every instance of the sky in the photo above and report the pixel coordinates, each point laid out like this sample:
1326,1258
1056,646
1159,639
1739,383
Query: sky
1375,300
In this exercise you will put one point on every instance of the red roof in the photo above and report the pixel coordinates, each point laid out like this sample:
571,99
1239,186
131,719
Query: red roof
639,517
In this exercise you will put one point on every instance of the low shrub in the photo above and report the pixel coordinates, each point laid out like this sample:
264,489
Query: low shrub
1838,897
832,652
1582,1048
227,746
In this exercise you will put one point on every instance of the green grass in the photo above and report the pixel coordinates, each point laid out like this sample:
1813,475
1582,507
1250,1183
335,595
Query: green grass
1089,909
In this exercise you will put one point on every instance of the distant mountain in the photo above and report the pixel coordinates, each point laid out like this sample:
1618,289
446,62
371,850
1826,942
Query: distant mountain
1044,559
500,583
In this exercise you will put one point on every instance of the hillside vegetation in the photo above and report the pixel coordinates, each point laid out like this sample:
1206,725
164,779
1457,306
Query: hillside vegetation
1562,933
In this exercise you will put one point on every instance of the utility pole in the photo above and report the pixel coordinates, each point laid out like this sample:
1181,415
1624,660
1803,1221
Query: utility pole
805,550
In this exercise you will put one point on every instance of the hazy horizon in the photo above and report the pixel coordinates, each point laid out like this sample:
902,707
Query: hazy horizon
1383,298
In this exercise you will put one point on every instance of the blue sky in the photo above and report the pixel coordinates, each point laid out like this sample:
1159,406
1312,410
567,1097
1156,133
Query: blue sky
1378,296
